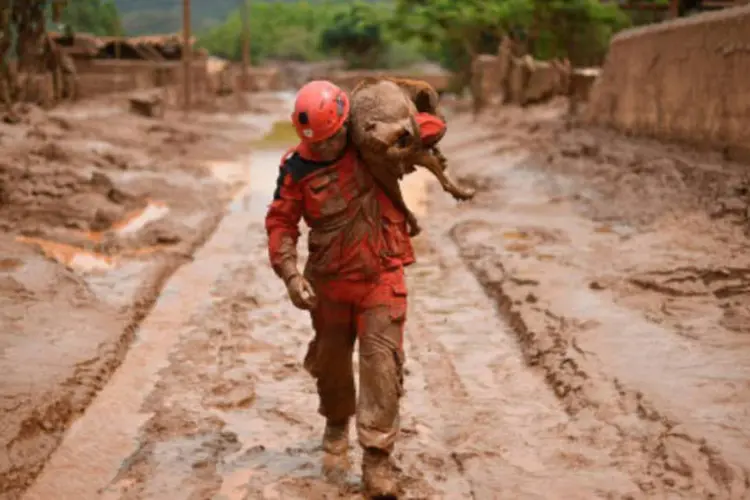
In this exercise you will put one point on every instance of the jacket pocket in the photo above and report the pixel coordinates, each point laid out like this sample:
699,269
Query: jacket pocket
323,196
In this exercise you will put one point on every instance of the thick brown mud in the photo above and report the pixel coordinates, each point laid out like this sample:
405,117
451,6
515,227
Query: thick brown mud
537,364
98,210
577,267
233,413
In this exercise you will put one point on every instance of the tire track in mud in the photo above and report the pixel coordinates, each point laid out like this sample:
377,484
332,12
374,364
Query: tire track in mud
233,415
262,442
659,453
235,379
53,420
656,450
507,433
213,401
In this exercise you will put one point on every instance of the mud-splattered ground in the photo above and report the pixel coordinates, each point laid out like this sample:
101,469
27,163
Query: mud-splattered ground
565,339
622,267
98,207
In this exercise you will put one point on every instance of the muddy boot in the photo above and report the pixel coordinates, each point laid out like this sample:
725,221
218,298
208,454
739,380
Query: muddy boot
378,477
336,451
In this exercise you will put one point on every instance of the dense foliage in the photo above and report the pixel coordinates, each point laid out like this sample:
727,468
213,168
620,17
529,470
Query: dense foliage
357,33
99,17
384,33
450,32
310,31
143,17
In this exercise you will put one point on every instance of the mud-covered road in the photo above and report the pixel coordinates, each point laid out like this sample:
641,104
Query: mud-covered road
528,376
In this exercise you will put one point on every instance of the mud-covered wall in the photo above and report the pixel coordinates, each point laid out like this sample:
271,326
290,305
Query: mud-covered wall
684,80
103,76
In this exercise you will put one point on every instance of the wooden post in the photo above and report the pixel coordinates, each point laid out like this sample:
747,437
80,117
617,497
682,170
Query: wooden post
674,9
57,7
186,53
118,50
245,43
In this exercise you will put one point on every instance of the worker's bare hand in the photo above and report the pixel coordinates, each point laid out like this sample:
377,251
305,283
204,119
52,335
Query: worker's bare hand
301,293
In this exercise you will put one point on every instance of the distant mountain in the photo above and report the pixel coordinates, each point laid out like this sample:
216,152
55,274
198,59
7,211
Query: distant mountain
141,17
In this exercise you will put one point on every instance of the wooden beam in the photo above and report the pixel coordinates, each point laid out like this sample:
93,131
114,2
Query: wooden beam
674,9
245,42
186,54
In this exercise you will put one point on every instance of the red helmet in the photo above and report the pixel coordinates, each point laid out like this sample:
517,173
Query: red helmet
320,110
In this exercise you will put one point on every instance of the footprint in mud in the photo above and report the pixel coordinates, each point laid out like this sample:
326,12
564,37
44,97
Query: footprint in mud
230,395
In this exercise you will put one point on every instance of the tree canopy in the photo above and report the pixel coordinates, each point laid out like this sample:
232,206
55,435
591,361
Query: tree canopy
374,33
99,17
385,33
392,33
285,30
357,34
457,31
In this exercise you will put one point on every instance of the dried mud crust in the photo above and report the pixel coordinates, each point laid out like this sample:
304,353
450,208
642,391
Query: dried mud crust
69,177
575,230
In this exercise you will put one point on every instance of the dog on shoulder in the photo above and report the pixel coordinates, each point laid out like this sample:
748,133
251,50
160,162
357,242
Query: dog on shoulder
388,138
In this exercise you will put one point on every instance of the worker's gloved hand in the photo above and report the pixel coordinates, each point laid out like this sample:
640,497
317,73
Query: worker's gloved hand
301,293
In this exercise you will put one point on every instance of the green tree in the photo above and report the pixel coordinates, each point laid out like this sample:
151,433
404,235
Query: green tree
454,32
577,29
285,30
357,35
309,31
99,17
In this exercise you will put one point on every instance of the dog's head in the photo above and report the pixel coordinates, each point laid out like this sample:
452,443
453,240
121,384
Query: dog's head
394,138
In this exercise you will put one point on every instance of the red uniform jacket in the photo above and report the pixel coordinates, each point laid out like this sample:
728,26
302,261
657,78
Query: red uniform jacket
355,231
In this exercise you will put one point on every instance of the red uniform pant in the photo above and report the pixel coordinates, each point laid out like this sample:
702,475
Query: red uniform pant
375,314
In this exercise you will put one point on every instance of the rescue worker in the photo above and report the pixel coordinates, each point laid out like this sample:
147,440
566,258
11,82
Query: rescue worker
352,284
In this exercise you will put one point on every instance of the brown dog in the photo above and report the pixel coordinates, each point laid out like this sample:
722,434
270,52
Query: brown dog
388,139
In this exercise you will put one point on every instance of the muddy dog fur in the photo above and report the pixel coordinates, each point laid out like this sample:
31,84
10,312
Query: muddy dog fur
386,134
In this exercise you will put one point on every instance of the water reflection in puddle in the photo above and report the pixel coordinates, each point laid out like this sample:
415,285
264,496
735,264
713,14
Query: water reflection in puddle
255,177
72,257
79,259
153,212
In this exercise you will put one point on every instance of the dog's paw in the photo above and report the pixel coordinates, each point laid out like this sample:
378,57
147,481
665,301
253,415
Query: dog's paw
413,226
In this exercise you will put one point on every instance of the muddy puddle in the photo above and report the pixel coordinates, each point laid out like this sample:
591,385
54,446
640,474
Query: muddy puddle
84,261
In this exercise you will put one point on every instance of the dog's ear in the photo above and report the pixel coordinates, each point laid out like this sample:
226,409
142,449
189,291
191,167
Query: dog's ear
427,100
422,101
